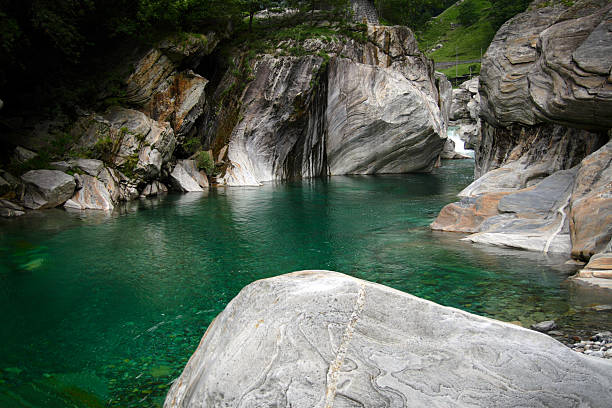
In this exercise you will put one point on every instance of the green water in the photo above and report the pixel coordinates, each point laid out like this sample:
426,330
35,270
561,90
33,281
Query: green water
104,310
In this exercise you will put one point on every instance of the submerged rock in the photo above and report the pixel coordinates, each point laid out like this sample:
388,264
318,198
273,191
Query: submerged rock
322,339
47,188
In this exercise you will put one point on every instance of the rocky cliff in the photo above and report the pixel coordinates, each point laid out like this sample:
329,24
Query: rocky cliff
323,339
542,161
350,108
362,100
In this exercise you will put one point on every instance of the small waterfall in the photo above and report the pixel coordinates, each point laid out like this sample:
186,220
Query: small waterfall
453,135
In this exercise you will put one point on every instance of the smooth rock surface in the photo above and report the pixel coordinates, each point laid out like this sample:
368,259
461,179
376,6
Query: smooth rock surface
92,195
379,122
47,188
322,339
186,177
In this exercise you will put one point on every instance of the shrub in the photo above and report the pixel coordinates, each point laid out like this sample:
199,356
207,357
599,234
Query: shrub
205,162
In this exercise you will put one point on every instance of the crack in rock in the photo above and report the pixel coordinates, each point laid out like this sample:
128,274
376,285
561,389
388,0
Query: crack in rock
334,367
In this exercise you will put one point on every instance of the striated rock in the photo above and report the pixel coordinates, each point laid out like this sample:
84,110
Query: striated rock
525,155
164,89
360,120
92,195
550,64
591,204
534,218
379,122
322,339
468,214
180,100
186,177
47,188
278,137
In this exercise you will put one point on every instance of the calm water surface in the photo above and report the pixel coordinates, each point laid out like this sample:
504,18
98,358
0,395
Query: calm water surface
104,310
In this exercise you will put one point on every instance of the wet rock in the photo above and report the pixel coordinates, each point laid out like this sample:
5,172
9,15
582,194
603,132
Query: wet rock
92,195
468,214
322,338
47,188
186,177
545,326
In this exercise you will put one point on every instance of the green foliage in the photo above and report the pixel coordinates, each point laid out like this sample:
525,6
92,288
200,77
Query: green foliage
412,13
192,144
461,70
460,42
503,10
129,167
104,148
205,162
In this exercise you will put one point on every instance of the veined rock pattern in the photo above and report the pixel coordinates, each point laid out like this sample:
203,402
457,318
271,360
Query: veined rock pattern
324,339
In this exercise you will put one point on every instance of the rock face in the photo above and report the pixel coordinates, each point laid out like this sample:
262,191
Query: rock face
186,177
543,160
551,64
47,188
323,339
379,122
374,108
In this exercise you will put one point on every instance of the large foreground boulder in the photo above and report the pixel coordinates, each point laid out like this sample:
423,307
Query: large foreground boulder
47,188
322,339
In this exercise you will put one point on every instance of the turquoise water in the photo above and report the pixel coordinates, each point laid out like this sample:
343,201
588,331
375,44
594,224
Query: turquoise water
104,310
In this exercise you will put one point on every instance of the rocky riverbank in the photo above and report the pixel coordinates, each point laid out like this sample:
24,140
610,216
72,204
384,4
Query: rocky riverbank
357,99
543,160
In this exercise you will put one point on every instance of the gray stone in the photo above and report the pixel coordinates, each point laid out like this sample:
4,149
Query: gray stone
90,166
47,188
23,155
551,64
379,122
61,165
323,339
92,195
153,189
545,326
10,209
186,177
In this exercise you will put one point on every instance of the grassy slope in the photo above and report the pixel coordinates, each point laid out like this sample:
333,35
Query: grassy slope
466,42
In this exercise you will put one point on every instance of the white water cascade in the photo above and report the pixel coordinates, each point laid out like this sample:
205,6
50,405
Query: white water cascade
453,135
